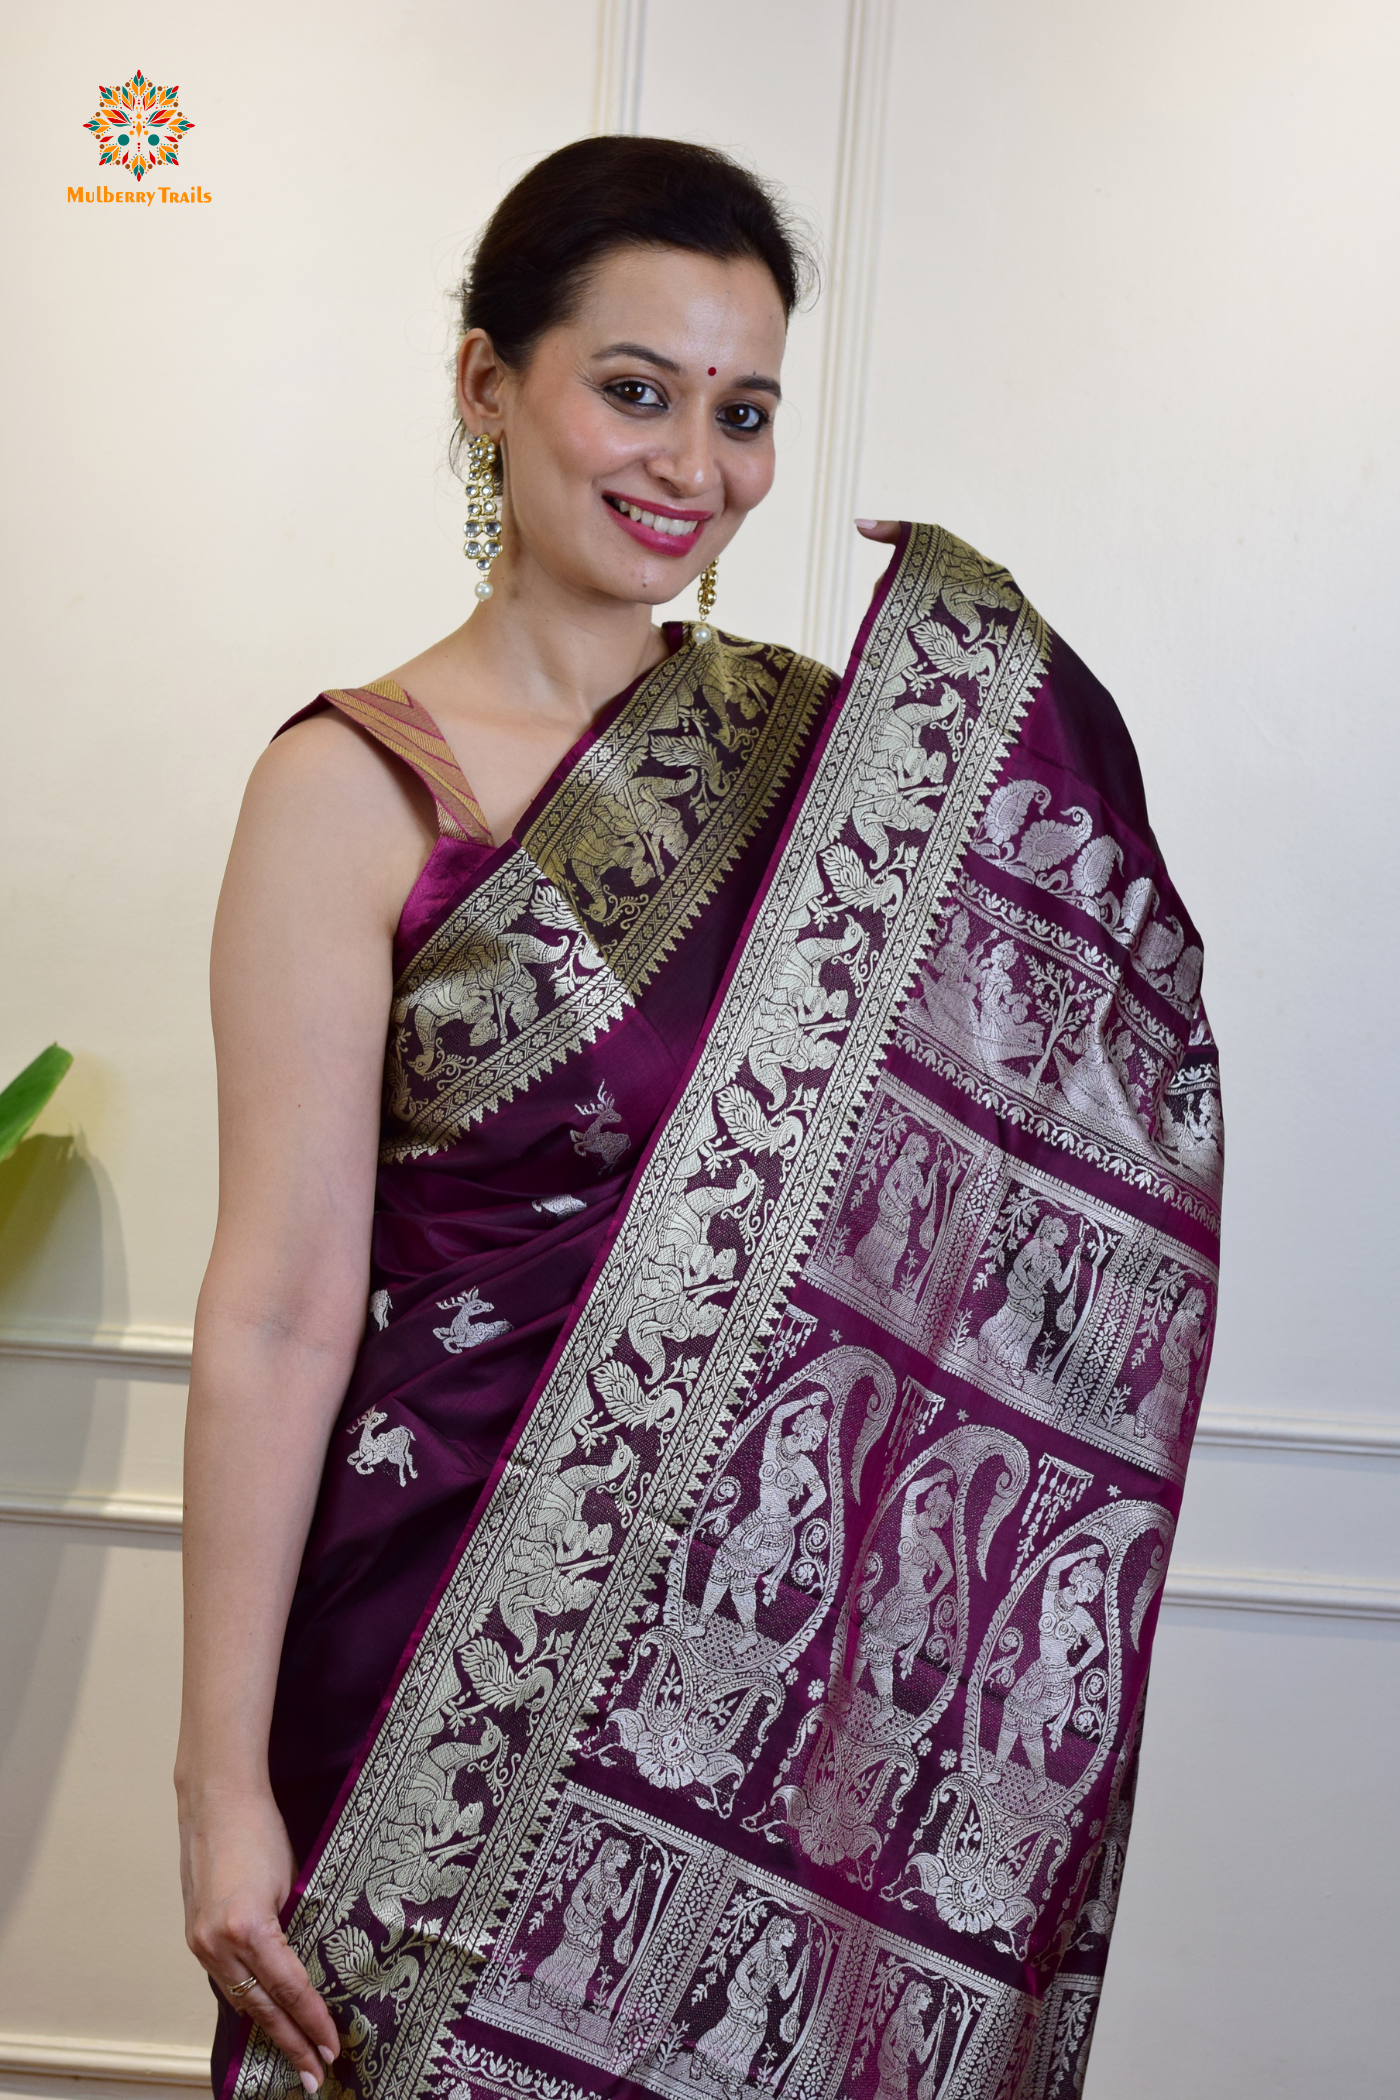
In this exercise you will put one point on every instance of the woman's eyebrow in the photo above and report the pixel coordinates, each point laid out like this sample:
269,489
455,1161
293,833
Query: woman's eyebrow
651,357
754,383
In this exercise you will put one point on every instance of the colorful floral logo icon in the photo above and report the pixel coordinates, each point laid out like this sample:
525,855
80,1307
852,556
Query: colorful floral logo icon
139,126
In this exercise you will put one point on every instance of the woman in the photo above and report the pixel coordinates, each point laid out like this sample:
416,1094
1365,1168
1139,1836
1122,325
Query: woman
1010,1335
564,1978
904,1189
1043,1696
637,908
898,1625
761,1545
727,2050
1160,1412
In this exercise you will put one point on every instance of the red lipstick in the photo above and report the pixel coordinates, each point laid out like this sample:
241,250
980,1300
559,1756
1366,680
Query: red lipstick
657,538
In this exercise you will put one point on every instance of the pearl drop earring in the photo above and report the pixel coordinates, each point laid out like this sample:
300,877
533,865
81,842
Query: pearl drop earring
482,539
702,631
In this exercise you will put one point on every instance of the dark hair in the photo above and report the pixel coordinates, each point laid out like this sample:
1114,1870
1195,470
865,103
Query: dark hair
599,194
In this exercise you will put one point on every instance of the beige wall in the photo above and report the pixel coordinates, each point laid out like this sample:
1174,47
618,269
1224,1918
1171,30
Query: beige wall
1111,295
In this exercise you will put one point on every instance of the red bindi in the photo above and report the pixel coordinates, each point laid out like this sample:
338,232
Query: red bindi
712,371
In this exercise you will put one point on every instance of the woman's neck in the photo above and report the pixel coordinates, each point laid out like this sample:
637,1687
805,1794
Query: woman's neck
535,654
516,686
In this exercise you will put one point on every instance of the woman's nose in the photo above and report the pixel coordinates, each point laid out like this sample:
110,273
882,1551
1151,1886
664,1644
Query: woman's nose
687,463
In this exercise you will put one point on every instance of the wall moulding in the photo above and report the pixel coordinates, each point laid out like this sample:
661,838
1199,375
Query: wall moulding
136,2063
1328,1436
168,1349
1221,1589
122,1348
617,93
124,1514
1215,1589
849,298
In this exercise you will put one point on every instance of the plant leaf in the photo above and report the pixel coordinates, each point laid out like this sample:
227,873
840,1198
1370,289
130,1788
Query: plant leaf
22,1099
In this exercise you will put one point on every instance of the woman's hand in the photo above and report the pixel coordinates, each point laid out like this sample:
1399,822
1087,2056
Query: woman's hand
236,1868
886,529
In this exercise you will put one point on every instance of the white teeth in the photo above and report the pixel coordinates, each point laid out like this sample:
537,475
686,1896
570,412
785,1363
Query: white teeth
677,528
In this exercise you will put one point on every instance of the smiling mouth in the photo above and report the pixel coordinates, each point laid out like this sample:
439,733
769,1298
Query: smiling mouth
667,523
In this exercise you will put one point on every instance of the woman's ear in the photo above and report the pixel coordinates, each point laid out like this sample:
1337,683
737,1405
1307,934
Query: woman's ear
479,376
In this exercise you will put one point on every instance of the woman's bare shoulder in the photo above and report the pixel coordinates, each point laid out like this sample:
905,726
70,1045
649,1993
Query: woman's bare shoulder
328,811
328,773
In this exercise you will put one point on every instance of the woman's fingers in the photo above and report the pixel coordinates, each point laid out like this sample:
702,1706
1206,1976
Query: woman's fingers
886,529
285,2035
289,2010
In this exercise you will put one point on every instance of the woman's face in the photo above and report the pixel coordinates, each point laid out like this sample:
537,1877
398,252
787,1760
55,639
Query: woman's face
657,397
938,1505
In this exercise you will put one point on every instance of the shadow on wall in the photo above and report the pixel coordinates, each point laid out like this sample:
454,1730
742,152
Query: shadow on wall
59,1243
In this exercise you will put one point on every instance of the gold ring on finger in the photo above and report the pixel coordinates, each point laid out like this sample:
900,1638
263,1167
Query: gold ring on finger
236,1990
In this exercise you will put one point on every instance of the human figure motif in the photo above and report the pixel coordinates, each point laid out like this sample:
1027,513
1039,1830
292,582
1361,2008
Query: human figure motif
550,1563
1008,1338
1096,1082
727,2051
564,1979
675,1288
1196,1135
878,1253
761,1544
904,2045
793,1022
949,983
1001,1026
422,1854
898,1625
1044,1694
1159,1413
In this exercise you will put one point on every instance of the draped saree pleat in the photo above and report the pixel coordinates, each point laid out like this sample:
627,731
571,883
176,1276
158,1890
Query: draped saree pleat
794,1272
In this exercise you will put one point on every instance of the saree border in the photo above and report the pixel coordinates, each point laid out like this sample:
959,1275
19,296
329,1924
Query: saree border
613,766
515,913
534,952
872,777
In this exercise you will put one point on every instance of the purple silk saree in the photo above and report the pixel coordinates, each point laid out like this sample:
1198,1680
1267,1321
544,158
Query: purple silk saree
794,1270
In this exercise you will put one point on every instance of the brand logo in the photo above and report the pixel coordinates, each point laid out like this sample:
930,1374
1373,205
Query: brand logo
139,126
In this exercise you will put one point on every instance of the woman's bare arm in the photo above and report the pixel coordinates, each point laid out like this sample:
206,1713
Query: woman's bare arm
330,839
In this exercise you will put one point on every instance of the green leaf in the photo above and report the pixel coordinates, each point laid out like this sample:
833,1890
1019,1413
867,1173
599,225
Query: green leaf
23,1098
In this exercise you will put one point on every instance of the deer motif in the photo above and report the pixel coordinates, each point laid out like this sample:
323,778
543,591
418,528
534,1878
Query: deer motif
607,1146
394,1448
466,1330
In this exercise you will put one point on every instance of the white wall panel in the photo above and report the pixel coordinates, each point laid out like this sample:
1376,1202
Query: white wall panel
1133,339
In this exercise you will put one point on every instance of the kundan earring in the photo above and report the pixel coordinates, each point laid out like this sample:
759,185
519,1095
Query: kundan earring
702,631
482,540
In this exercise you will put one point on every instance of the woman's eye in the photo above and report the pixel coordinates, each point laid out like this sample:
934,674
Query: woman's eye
636,393
744,416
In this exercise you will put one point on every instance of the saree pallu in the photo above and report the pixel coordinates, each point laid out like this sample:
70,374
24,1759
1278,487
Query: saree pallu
772,1726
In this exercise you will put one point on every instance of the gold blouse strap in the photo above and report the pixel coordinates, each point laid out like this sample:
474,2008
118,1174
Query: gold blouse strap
396,720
